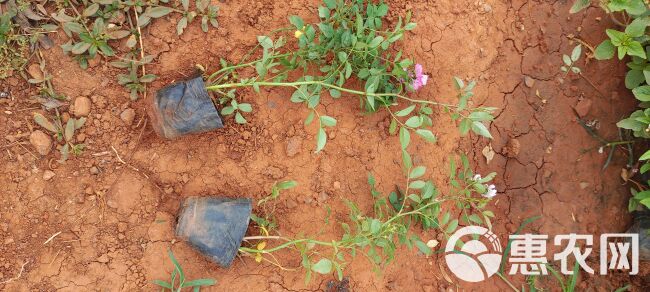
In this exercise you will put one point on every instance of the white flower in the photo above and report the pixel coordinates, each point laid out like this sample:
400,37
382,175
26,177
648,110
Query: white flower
476,177
491,192
600,150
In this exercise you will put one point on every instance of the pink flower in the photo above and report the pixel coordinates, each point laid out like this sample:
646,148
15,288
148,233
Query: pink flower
420,79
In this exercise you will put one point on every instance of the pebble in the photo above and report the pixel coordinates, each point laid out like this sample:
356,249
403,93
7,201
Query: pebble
127,116
529,81
337,185
293,146
94,170
583,107
323,197
82,106
48,175
41,141
487,8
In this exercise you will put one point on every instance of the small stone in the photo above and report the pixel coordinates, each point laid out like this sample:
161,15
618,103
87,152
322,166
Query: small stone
583,107
89,191
48,175
81,137
487,8
529,81
41,141
94,170
323,197
291,204
293,146
583,185
82,106
337,185
127,116
35,71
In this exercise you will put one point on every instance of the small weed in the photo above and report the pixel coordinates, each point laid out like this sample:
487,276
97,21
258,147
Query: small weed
63,133
178,282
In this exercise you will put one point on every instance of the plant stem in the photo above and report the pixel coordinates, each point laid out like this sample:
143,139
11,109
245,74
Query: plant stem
331,86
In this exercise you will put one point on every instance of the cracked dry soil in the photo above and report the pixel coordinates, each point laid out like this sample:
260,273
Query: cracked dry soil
113,217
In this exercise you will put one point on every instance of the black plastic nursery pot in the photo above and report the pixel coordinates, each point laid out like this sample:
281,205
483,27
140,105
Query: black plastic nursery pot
641,226
184,108
215,226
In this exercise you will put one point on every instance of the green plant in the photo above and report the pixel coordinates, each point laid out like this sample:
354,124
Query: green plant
633,42
63,133
349,42
95,26
391,223
178,282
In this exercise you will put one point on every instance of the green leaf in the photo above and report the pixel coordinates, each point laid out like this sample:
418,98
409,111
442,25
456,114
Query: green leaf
642,93
296,21
181,25
239,119
634,78
148,78
287,184
245,107
376,41
321,139
328,121
405,112
645,156
422,247
417,172
227,110
452,226
615,36
414,122
575,54
404,138
159,11
309,118
69,130
579,5
265,41
44,122
426,134
335,93
637,27
375,226
90,10
481,129
458,83
418,184
634,48
199,282
324,266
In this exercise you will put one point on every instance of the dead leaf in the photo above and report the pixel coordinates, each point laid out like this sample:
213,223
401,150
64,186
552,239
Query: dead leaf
488,153
625,175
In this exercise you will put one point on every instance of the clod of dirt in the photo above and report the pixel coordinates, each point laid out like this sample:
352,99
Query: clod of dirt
337,185
41,142
48,175
529,81
583,107
103,259
127,116
338,286
82,106
293,146
34,70
94,170
512,148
